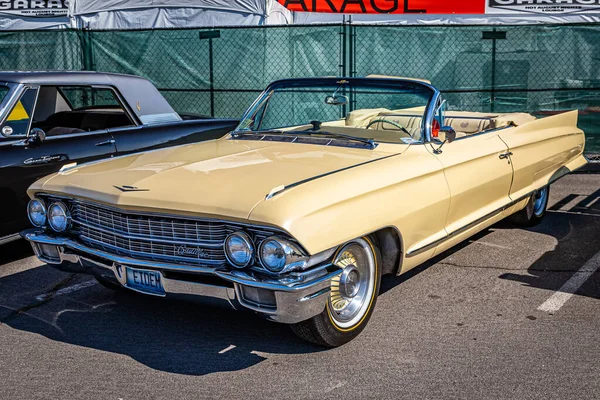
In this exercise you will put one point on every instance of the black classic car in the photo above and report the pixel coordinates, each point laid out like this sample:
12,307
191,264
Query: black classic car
52,120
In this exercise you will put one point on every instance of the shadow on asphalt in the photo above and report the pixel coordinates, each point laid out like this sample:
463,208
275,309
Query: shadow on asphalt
185,338
389,282
166,335
14,251
577,238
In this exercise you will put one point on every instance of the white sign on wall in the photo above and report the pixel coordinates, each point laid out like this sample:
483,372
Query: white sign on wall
35,8
542,6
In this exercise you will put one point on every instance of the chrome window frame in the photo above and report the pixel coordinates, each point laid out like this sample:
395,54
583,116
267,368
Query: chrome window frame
11,102
428,116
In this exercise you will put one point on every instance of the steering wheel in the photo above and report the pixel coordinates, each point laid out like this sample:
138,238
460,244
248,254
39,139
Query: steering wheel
383,120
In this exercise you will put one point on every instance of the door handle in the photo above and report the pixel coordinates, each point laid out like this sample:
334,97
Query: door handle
105,143
504,156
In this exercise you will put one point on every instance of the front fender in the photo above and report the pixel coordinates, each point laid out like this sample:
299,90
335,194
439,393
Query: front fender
407,192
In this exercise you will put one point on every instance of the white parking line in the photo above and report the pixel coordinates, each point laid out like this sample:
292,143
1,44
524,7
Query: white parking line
558,299
67,290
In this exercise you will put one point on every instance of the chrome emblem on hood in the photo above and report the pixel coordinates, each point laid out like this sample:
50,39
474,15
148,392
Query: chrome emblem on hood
126,188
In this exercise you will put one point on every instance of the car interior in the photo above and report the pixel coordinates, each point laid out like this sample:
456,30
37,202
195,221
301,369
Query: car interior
386,125
69,110
464,123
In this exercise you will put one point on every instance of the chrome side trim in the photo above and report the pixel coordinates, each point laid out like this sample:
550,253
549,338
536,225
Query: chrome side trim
429,246
9,238
277,191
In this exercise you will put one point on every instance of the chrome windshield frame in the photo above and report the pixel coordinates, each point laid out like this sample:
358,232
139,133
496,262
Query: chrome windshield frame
430,113
428,116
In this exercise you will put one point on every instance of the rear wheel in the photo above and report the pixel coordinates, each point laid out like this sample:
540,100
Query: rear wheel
352,297
534,211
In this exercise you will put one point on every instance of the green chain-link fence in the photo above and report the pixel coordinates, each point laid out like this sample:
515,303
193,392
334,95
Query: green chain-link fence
541,70
538,69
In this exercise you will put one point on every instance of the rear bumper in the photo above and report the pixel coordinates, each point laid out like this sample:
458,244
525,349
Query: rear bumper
289,300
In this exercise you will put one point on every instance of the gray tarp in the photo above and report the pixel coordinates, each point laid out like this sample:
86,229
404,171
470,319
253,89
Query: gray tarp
140,14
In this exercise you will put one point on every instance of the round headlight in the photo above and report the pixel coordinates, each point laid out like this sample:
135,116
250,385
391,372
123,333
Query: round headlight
273,255
239,249
59,217
36,210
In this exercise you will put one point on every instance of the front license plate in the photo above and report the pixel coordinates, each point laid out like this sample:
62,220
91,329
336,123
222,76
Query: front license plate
145,281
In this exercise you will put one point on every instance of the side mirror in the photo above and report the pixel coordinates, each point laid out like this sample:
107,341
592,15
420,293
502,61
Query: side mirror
36,136
7,131
450,136
450,133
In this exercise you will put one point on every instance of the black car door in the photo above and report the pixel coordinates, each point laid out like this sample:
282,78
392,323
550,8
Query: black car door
22,163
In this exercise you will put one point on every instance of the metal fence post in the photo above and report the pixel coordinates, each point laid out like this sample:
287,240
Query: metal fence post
494,36
87,50
210,35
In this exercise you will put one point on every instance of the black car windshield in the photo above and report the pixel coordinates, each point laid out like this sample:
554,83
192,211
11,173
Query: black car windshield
383,110
3,92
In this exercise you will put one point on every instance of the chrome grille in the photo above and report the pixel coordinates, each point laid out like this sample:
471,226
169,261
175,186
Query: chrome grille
154,237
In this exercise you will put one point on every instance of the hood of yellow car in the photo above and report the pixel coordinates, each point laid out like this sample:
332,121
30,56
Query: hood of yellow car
216,178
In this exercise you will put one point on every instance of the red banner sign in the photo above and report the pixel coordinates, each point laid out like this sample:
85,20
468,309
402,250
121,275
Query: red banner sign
387,6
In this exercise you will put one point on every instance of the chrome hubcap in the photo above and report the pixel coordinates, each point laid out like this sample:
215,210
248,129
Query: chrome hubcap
352,291
350,282
539,203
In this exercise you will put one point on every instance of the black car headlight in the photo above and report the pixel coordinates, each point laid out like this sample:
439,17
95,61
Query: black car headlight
36,210
239,249
59,217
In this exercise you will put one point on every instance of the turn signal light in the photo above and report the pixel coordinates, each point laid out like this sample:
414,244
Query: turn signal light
435,129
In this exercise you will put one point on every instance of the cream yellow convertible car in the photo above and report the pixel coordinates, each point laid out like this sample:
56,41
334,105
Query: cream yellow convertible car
326,185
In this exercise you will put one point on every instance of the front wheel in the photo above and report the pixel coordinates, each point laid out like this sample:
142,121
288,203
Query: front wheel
352,297
534,211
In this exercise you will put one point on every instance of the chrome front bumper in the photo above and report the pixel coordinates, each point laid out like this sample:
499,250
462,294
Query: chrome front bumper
291,299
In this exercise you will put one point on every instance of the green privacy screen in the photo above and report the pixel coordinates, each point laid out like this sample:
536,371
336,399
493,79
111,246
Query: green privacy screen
537,69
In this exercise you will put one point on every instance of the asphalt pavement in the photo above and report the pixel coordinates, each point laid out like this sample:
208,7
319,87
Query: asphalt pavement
494,318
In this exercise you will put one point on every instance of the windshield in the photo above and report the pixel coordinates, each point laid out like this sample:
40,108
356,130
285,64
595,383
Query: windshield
384,111
3,92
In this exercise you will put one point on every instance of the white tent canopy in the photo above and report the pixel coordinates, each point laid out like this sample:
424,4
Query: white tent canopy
149,14
140,14
508,18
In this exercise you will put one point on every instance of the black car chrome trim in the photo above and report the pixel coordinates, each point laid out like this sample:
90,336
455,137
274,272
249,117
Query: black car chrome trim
16,91
9,238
